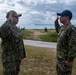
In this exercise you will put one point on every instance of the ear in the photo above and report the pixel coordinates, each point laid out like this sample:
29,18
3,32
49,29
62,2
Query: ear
68,17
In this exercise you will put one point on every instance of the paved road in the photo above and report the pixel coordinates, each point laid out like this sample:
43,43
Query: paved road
40,43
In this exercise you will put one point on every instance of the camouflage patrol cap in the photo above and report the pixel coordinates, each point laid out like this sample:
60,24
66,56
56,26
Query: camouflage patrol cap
13,13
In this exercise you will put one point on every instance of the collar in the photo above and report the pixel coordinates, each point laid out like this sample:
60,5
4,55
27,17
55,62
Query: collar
65,26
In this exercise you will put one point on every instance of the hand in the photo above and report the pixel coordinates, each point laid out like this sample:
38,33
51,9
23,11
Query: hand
57,17
10,16
68,63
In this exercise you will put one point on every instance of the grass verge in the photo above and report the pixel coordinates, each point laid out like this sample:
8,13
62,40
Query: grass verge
39,61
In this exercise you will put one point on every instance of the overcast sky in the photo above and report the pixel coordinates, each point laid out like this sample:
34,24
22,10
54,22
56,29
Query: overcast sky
36,11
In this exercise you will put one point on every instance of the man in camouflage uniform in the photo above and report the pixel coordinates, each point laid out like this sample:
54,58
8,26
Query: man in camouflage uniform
12,44
66,43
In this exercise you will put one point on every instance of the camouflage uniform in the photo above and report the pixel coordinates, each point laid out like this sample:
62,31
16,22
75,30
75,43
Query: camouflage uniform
66,48
12,48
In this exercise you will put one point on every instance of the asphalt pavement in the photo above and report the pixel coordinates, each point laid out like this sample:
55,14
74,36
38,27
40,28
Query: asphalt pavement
40,43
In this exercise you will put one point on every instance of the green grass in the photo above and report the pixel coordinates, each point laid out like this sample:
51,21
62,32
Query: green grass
39,61
27,34
51,37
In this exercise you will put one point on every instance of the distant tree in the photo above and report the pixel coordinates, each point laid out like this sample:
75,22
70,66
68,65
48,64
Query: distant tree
46,29
23,28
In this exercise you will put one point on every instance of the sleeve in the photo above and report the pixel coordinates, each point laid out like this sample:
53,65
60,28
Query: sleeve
57,26
0,32
24,50
6,31
72,46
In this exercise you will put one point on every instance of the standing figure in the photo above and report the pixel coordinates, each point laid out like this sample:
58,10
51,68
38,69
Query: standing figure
13,50
66,43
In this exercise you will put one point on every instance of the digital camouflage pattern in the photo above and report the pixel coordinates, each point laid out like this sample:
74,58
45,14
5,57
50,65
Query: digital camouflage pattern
66,47
12,43
66,43
11,68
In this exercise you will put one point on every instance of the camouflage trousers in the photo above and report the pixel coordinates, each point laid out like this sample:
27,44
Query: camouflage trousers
11,68
62,69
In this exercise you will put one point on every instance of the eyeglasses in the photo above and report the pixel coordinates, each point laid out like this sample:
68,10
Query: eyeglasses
16,17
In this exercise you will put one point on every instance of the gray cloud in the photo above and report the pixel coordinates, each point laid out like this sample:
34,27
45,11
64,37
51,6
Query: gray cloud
38,11
2,1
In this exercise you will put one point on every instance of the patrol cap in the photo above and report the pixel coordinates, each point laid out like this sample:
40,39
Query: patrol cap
66,13
14,13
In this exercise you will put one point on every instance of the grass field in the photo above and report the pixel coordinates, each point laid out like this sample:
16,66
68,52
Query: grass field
40,34
39,61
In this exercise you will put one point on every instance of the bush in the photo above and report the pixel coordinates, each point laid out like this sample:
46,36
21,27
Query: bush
46,29
26,34
51,37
